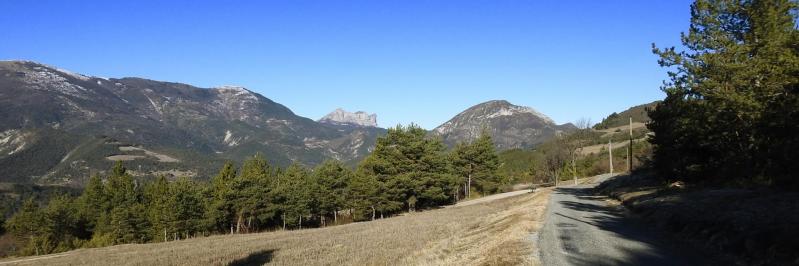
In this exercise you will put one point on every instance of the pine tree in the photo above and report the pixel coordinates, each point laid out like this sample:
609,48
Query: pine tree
476,163
93,204
409,168
127,220
731,94
28,223
221,209
295,196
331,178
253,197
186,204
157,195
364,196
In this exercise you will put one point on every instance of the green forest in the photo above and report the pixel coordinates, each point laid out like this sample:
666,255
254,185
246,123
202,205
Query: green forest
407,171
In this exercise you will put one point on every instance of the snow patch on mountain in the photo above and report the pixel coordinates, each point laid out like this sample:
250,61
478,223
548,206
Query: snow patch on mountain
236,91
44,79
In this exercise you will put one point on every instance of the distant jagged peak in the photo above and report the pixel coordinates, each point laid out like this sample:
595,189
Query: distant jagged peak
343,117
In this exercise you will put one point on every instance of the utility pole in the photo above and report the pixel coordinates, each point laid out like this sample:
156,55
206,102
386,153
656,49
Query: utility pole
610,154
630,149
574,169
467,190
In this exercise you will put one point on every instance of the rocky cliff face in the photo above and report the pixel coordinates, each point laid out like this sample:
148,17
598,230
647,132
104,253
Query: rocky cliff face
342,117
59,126
510,125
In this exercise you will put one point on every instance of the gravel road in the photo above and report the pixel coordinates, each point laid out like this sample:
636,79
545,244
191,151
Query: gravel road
582,229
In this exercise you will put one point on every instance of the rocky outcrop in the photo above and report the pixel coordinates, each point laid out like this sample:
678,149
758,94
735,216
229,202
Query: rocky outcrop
342,117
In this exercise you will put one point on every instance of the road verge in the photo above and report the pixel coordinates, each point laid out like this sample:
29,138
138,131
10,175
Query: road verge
751,227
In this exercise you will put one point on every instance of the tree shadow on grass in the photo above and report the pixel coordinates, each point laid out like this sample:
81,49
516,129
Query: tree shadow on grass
256,258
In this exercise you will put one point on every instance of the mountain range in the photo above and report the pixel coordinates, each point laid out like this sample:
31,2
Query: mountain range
57,126
60,127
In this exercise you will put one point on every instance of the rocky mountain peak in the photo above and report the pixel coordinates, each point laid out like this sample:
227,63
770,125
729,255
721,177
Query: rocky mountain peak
342,117
498,108
510,125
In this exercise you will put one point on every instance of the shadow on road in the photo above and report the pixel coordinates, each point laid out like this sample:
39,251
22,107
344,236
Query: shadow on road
647,248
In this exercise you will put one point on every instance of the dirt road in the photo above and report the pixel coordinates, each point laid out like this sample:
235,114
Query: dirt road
583,229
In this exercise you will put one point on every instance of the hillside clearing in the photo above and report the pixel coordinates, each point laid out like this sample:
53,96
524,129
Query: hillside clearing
596,149
487,233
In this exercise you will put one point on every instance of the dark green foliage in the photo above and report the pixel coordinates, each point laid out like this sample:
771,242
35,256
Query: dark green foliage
476,164
409,167
331,179
221,209
730,111
364,196
296,195
407,171
54,228
518,166
186,208
126,220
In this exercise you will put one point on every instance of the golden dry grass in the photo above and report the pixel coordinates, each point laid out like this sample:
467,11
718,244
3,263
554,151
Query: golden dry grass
489,233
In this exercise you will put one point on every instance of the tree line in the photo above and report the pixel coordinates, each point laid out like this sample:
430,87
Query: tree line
731,112
407,171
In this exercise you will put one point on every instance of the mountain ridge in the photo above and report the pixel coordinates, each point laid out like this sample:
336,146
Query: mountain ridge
199,127
511,126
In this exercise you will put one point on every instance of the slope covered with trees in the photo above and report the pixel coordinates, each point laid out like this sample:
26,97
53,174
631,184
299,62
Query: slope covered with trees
407,171
638,113
731,114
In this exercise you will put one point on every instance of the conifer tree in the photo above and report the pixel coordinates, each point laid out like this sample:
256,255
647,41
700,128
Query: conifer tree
186,204
221,209
476,163
28,224
731,95
93,204
409,168
157,195
331,178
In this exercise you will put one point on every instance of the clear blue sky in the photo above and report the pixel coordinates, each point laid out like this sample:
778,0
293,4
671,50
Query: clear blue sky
407,61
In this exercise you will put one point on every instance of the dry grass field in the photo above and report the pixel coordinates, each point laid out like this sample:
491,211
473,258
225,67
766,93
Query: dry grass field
495,232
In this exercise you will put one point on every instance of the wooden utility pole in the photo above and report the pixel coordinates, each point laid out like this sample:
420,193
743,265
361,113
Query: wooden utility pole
574,169
630,149
467,191
610,154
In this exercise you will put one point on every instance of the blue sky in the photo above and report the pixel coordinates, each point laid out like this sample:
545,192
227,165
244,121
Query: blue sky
407,61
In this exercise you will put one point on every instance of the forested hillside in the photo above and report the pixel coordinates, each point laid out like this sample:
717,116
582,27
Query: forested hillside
407,171
638,113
